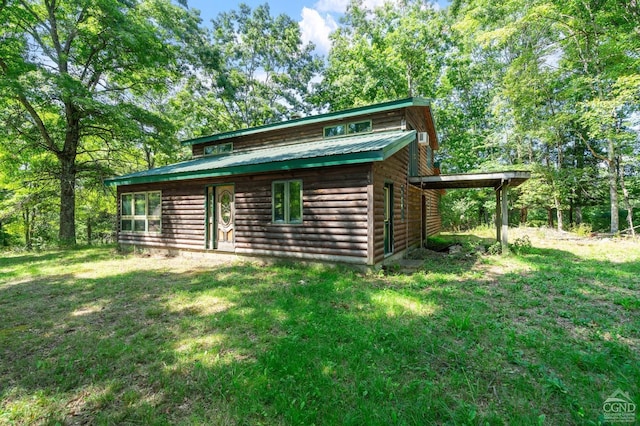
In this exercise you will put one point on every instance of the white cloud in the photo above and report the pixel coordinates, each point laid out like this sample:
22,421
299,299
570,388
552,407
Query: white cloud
340,6
332,5
316,29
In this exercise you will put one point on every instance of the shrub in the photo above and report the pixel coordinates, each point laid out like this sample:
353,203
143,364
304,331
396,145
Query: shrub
521,244
583,229
495,248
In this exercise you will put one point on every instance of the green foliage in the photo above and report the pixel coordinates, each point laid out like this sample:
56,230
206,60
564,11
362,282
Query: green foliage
582,230
495,249
521,245
383,54
254,71
74,75
93,89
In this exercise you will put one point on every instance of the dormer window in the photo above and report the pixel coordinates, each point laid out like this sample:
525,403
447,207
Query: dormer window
224,148
359,127
334,131
348,129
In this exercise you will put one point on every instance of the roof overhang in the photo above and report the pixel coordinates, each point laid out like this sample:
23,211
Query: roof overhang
365,148
471,180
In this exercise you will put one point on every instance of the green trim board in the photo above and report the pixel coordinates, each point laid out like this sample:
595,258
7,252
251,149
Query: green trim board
336,115
364,148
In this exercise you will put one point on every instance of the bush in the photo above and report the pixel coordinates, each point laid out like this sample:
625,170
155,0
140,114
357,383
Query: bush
521,245
583,229
495,248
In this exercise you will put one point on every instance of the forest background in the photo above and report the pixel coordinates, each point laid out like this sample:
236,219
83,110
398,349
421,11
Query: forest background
95,88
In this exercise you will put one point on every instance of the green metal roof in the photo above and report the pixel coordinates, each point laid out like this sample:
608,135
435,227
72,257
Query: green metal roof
337,115
326,152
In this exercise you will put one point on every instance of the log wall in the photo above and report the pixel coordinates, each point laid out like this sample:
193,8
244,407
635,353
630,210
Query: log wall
182,216
393,170
433,218
334,215
381,122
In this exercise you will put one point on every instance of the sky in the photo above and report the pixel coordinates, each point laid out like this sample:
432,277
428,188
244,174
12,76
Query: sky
317,18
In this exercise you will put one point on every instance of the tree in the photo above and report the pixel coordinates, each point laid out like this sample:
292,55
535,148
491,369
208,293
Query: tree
569,82
600,49
71,71
255,71
390,52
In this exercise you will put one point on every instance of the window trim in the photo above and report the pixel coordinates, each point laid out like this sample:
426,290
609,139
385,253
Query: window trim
133,217
286,203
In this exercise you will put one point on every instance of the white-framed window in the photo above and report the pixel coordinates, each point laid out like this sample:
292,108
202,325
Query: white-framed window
286,201
141,212
220,149
351,128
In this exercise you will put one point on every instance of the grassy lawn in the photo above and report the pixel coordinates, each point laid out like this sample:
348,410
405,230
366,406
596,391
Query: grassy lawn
542,336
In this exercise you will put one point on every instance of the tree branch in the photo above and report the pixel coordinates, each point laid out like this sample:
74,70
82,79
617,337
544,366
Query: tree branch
33,113
593,152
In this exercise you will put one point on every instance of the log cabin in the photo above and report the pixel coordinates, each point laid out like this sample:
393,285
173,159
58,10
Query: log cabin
333,187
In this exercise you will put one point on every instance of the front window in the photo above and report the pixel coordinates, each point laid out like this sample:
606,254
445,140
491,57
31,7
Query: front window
287,201
141,212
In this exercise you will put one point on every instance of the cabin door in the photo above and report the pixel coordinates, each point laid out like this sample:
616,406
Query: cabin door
388,218
220,217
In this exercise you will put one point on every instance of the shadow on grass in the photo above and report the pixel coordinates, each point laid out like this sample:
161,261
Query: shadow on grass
296,345
12,265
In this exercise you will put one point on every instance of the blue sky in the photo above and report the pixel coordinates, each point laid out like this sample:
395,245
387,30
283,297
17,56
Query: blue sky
317,18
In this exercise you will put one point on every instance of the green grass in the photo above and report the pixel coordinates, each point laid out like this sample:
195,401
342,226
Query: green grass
542,337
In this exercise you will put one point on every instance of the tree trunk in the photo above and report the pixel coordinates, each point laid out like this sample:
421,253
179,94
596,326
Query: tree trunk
524,212
625,198
578,214
26,216
556,201
550,218
67,232
613,188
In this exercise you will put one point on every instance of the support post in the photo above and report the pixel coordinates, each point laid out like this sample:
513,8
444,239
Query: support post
498,214
504,241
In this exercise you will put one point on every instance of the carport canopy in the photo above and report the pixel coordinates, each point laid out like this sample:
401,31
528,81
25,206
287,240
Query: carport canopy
499,181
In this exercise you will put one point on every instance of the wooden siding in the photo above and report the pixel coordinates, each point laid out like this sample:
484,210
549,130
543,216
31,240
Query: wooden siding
393,170
334,224
385,121
343,206
416,121
414,219
334,215
433,218
408,232
182,216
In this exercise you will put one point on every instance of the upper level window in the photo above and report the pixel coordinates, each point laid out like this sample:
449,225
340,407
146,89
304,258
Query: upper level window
141,212
224,148
287,201
348,129
359,127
